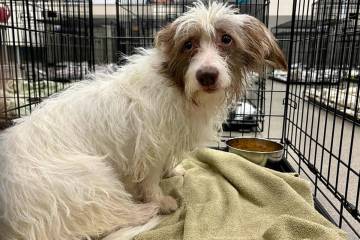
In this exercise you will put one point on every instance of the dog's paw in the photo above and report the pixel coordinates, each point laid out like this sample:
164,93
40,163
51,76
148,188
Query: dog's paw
179,170
167,205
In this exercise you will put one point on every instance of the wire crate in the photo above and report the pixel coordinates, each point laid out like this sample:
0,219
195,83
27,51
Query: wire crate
45,45
312,108
319,27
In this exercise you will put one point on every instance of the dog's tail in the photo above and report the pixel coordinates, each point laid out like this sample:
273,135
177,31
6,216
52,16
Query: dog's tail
130,232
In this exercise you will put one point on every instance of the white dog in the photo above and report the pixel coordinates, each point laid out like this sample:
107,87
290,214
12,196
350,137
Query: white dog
88,161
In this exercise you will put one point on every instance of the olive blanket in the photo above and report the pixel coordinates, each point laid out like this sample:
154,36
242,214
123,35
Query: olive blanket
225,197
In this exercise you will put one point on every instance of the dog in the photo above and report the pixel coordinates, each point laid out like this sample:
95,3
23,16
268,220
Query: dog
88,161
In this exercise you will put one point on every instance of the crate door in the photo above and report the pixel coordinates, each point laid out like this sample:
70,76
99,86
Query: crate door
322,120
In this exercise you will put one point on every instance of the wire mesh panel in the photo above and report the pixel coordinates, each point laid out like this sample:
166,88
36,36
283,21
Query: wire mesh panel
45,45
322,112
48,44
139,20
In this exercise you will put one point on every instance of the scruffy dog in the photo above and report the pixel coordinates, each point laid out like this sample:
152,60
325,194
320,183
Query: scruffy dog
89,160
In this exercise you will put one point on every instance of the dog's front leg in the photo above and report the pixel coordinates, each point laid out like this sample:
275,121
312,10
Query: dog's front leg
151,192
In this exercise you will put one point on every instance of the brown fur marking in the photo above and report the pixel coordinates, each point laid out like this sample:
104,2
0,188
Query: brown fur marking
178,60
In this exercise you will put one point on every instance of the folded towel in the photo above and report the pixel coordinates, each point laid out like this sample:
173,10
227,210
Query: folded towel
225,197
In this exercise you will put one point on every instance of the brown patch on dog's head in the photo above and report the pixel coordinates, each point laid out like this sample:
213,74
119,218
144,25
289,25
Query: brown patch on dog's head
258,45
254,46
165,37
177,58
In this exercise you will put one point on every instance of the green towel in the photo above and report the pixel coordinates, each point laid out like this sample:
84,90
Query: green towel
225,197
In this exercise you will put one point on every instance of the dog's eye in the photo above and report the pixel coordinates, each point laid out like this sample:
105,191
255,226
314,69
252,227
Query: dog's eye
226,39
188,46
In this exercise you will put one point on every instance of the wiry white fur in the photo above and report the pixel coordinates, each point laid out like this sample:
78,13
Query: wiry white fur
204,16
130,232
60,167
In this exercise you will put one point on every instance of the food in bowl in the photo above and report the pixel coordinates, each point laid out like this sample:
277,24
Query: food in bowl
257,150
255,144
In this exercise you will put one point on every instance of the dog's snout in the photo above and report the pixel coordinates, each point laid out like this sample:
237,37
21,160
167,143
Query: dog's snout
207,76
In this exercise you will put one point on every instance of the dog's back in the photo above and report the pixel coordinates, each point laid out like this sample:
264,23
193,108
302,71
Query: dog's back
54,184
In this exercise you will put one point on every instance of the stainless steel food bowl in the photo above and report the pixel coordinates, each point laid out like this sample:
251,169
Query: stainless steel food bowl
256,150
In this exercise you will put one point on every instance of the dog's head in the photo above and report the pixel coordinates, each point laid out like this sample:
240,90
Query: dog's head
211,49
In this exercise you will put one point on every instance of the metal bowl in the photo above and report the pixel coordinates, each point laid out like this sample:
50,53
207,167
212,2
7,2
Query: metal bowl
256,150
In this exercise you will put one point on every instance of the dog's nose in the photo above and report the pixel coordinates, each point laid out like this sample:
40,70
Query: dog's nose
207,76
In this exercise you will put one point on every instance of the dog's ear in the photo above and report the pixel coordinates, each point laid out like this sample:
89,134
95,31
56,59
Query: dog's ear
259,44
164,39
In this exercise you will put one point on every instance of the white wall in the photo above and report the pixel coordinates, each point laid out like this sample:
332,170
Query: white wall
286,7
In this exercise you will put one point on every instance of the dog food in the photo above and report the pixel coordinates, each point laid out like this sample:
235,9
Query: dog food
254,145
